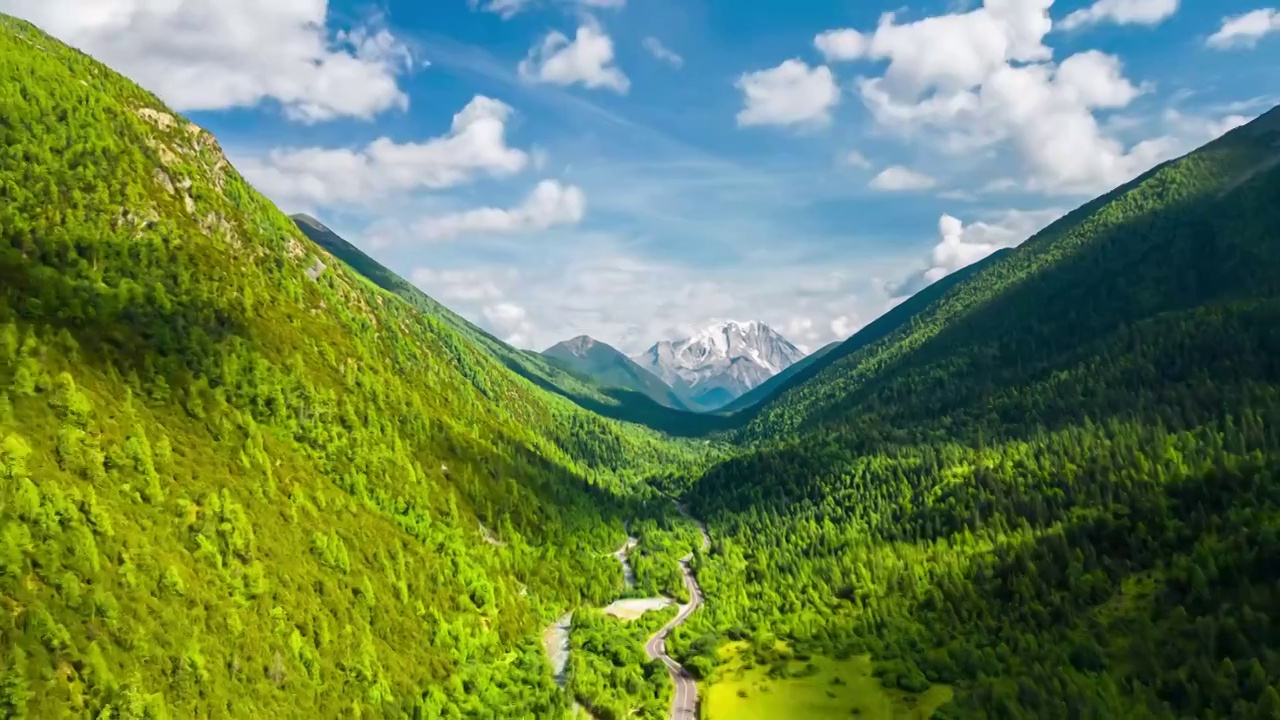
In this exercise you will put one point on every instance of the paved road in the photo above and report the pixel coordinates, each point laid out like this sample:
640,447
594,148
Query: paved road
684,705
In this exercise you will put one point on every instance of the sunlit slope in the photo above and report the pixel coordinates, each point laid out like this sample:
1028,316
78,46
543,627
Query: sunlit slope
1057,488
618,403
239,480
895,319
1190,235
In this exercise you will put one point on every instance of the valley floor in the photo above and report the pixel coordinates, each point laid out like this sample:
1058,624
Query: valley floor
810,689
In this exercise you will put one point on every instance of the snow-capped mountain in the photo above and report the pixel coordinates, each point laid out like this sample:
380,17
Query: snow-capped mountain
721,362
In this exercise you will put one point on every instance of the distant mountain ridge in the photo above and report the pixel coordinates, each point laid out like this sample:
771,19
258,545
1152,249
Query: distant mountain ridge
618,403
721,362
890,322
608,367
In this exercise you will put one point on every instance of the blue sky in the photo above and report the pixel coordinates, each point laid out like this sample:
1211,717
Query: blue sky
635,169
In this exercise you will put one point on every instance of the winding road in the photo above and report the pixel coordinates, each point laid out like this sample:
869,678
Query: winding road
684,705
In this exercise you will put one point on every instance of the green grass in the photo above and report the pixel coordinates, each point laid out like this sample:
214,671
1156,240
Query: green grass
817,688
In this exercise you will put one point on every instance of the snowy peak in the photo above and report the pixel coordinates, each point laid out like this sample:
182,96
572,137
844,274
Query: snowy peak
721,362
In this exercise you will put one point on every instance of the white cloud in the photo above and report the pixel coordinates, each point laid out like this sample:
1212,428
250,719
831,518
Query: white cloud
662,52
789,94
958,51
853,158
459,285
550,204
199,55
1196,130
603,4
310,177
898,179
508,9
589,283
843,327
962,245
841,45
974,80
510,321
587,59
1244,31
1122,12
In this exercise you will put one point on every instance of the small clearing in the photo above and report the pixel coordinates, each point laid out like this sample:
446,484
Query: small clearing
633,608
812,689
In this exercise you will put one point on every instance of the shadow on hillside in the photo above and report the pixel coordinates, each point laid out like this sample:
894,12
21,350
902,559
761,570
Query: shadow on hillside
1156,319
1112,592
129,328
1005,355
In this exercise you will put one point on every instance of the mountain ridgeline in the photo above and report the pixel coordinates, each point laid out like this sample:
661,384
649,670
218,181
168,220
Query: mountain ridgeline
247,471
606,366
634,402
237,479
1056,487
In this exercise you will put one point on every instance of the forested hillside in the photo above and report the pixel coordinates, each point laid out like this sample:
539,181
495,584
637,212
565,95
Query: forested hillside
238,479
1058,487
620,403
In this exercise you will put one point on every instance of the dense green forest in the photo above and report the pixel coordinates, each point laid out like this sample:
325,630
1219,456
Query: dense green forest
239,479
1055,487
608,671
248,474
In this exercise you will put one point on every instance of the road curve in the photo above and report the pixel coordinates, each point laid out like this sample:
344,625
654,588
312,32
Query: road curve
684,704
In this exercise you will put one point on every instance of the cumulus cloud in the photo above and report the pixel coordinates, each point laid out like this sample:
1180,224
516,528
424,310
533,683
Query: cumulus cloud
790,94
587,60
586,283
841,45
853,158
550,204
1245,31
460,285
475,145
509,321
507,9
662,52
843,327
972,80
961,245
199,55
1122,12
899,179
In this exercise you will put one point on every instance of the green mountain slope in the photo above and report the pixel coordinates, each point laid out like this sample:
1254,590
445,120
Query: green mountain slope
1057,488
878,329
619,403
883,326
609,368
235,483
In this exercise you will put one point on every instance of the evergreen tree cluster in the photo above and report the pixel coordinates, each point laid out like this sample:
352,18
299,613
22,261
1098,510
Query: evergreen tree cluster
233,485
1057,486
